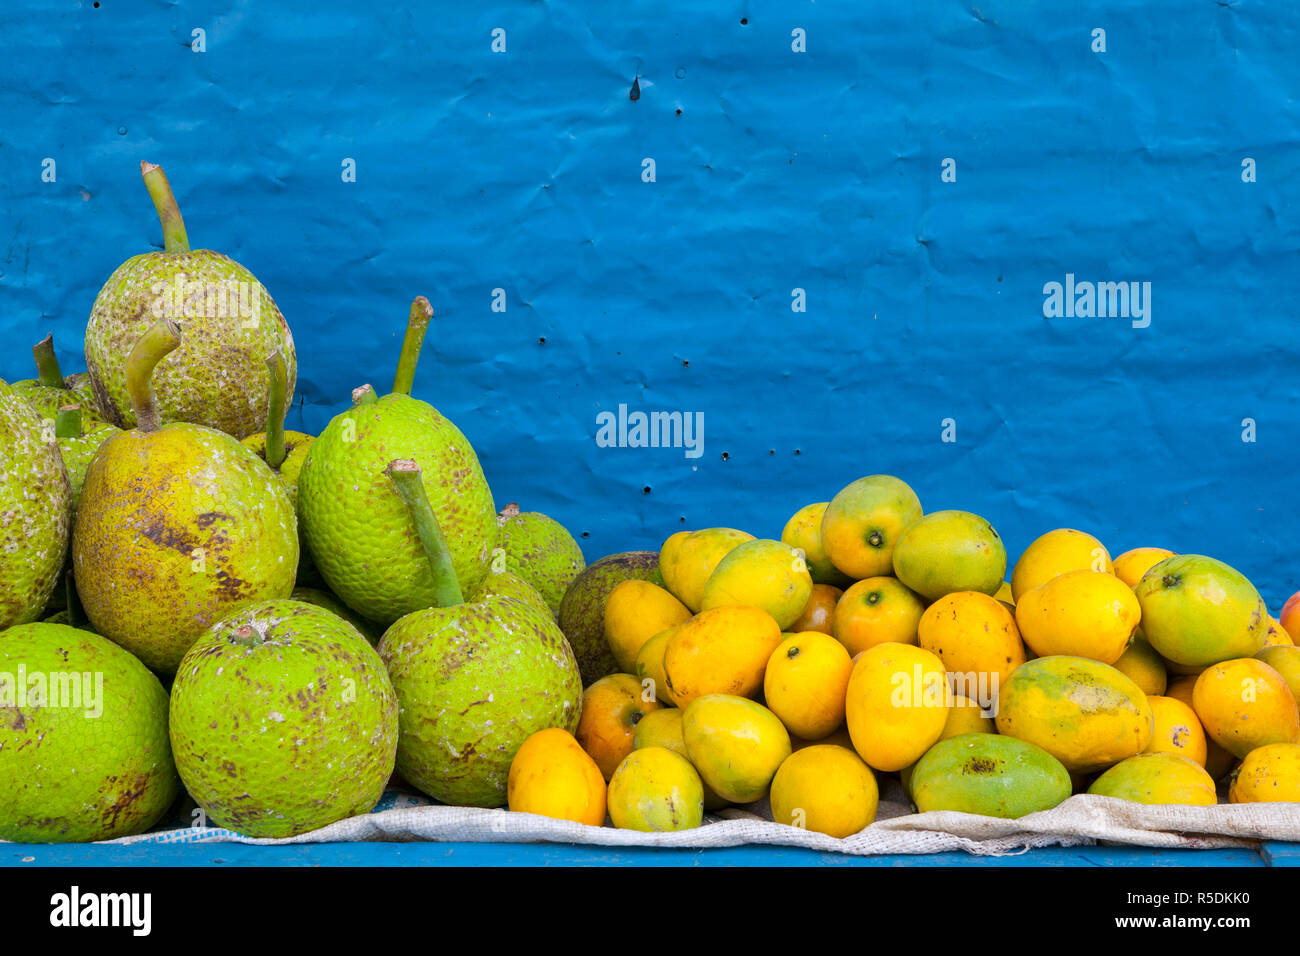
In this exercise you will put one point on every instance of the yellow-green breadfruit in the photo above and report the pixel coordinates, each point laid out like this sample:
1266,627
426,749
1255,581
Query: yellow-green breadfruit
35,504
357,528
179,526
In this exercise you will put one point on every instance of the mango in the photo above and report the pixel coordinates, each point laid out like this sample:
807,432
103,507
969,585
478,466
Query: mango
688,558
663,728
805,683
764,574
965,716
826,789
1244,704
1084,713
877,610
650,665
1157,778
863,521
1143,666
611,709
896,704
973,634
1217,760
723,650
988,774
636,611
819,613
948,551
1197,611
1082,613
1275,635
1268,774
1285,659
655,791
1177,729
552,776
737,745
1056,552
804,531
1131,565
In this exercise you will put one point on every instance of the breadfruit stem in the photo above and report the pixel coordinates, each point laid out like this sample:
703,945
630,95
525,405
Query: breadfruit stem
407,479
416,326
153,346
364,395
47,365
510,511
275,450
67,423
169,213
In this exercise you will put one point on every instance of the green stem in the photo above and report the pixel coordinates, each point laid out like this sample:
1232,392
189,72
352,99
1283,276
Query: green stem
416,326
153,346
406,477
364,395
47,365
244,636
67,423
169,213
275,450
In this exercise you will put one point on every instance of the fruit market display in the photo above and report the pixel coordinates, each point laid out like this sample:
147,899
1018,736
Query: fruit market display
197,604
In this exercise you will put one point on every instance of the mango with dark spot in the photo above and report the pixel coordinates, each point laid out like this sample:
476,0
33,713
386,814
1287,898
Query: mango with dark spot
988,774
582,611
1083,712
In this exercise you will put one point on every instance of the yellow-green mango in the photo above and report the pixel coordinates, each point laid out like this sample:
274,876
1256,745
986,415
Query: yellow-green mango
988,774
1084,713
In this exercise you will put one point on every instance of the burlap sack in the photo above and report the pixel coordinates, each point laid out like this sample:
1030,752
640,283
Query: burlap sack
1081,820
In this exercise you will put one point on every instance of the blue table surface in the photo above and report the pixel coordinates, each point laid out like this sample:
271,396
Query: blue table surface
520,854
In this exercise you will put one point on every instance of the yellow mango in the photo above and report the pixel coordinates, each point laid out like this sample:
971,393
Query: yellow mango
611,709
720,651
805,682
762,573
688,558
655,790
1243,704
1276,635
1285,659
973,634
1217,760
1157,778
877,610
663,728
826,789
896,704
1268,774
636,611
552,776
819,613
804,531
1084,713
650,664
1177,729
1143,666
1055,553
737,745
863,522
1082,613
1131,565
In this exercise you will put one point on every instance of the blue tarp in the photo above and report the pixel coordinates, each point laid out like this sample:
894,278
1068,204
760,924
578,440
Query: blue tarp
775,170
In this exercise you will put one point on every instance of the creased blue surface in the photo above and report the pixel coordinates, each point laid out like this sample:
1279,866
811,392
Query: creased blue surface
522,171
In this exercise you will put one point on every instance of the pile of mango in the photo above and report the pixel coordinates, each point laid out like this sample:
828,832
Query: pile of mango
874,640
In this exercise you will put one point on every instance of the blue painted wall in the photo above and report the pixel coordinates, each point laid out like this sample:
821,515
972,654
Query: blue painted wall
775,170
